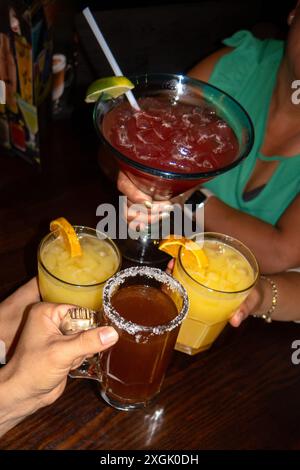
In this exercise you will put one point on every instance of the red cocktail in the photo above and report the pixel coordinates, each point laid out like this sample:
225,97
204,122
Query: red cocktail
170,137
187,132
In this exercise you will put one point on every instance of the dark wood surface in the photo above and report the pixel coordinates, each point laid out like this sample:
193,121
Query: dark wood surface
241,394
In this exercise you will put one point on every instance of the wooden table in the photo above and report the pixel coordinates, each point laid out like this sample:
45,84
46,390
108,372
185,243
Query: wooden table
241,394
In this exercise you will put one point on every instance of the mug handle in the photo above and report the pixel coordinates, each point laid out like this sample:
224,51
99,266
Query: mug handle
79,319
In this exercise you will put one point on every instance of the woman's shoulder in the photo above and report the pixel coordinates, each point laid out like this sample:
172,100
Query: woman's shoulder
240,54
246,46
249,62
203,70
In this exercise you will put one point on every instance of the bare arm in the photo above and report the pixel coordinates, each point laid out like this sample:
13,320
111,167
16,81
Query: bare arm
276,248
12,410
260,299
203,70
13,311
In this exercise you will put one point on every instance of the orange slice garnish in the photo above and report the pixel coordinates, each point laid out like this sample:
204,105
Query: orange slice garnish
193,255
68,234
171,245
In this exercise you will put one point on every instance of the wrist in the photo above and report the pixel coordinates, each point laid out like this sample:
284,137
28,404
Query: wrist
16,403
199,198
269,296
265,295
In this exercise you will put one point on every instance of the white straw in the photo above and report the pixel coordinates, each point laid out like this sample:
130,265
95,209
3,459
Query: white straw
108,54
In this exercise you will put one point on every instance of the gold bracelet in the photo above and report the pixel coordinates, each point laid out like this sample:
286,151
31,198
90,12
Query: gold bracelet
267,316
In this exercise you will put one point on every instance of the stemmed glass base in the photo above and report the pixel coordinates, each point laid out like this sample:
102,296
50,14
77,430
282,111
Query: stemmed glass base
143,251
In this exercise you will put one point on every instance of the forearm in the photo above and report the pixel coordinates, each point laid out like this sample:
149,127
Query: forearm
8,325
288,301
13,406
13,311
263,239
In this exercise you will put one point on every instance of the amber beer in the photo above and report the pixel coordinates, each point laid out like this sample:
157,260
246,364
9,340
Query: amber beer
135,370
147,312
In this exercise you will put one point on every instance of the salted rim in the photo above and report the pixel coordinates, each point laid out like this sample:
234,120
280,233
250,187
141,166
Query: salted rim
152,273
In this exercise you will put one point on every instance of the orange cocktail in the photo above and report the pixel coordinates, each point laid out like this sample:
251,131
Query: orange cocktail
217,282
77,279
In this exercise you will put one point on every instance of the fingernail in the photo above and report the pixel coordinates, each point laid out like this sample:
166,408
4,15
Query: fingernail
148,204
108,335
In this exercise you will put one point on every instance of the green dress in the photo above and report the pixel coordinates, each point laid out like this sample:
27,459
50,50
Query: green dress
248,73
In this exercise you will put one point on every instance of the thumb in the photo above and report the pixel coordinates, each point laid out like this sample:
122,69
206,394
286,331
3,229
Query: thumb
90,342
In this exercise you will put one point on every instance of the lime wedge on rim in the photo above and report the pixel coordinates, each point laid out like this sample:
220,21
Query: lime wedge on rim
111,87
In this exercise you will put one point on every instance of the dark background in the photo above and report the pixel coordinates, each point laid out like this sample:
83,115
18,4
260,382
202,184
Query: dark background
169,36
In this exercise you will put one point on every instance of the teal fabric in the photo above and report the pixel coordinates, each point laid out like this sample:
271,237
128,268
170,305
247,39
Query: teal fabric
248,73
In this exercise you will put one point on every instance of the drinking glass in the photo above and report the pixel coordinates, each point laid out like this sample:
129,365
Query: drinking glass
164,184
131,372
57,289
210,309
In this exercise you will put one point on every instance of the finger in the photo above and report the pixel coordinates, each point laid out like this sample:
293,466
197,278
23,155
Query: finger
56,312
170,266
50,314
89,342
138,213
237,318
79,361
126,187
131,215
248,306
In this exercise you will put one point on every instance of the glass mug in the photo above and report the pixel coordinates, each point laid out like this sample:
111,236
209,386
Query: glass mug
131,372
55,289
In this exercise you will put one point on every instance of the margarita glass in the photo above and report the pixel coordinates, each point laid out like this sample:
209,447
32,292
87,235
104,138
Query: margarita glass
194,131
214,291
